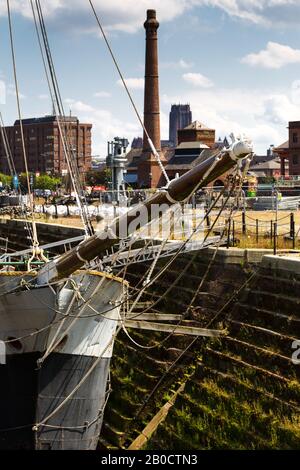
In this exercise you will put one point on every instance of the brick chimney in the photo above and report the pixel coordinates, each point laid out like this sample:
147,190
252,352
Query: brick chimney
151,93
149,173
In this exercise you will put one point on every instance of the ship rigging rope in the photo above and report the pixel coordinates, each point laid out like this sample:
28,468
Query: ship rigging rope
59,112
165,293
86,375
122,320
34,232
55,342
27,285
13,172
154,151
194,256
199,226
210,322
102,314
7,148
30,284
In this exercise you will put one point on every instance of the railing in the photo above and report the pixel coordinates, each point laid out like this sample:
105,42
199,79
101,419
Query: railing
245,230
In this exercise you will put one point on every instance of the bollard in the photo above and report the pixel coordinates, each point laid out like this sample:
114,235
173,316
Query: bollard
293,234
233,232
256,230
207,218
244,222
228,233
275,239
271,231
292,221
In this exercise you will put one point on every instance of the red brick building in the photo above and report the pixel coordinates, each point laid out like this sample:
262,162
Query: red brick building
197,132
289,152
44,148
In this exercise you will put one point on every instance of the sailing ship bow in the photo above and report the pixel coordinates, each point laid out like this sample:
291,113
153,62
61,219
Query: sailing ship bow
178,190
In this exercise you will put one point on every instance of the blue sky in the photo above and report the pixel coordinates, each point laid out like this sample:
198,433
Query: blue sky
237,62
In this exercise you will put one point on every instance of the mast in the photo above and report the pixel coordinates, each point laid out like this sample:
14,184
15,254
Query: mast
177,191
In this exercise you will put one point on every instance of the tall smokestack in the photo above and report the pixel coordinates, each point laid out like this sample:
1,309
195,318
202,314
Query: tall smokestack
151,97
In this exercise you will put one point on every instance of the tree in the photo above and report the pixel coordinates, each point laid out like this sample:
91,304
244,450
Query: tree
267,179
46,182
6,180
43,181
98,177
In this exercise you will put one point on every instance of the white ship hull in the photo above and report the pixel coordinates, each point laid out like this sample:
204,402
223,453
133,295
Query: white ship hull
54,383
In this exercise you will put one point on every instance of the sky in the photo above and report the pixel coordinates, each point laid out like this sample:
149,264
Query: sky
236,62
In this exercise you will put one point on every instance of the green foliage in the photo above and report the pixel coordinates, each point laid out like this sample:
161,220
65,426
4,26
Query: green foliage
43,181
98,177
46,182
267,179
6,180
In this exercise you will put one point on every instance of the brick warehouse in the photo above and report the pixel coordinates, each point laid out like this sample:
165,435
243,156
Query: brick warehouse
44,147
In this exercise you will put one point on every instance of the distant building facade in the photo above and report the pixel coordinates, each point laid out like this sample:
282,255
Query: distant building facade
179,118
268,168
44,147
196,142
137,143
289,151
197,132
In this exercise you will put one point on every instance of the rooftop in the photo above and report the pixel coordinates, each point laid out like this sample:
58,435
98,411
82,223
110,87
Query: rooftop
283,146
197,125
270,165
45,119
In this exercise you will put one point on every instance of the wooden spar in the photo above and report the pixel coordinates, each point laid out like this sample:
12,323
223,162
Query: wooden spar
176,329
177,191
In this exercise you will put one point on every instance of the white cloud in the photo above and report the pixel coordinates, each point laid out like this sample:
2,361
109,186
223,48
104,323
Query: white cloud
43,97
296,92
105,125
278,109
274,56
262,114
115,15
128,15
102,94
265,12
197,80
11,91
181,64
69,101
133,83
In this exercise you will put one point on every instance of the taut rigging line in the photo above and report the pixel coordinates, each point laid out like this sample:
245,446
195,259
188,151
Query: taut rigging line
35,241
57,102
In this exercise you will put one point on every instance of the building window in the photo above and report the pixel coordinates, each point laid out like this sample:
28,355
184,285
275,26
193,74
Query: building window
295,137
295,160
